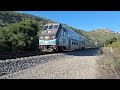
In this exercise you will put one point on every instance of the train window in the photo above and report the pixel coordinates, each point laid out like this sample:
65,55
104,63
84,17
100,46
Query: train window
64,29
62,33
46,27
77,43
72,43
50,27
55,26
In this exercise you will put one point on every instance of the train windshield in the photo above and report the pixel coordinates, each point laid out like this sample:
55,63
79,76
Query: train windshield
49,32
46,27
51,27
55,27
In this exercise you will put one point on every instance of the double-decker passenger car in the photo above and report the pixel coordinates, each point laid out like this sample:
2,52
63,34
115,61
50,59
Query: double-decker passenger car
57,37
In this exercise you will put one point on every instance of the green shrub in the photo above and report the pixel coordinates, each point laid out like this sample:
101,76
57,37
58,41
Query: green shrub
19,36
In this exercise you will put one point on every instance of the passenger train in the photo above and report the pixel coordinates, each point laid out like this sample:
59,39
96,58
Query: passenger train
56,37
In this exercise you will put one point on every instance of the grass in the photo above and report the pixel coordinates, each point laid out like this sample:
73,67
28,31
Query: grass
110,61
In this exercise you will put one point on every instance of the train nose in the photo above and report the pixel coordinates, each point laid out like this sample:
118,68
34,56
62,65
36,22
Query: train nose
46,42
47,37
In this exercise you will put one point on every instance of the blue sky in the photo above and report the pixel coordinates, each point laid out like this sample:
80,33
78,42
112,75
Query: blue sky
85,20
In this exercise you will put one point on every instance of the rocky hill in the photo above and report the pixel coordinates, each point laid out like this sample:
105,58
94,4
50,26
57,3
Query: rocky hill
101,35
8,17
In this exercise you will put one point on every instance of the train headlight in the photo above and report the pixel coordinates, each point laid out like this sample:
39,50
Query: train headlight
53,37
41,37
46,37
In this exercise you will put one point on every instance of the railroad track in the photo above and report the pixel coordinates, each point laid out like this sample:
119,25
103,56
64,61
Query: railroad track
13,55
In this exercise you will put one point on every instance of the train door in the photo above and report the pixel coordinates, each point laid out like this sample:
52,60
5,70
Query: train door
72,46
63,41
83,45
70,43
80,45
61,37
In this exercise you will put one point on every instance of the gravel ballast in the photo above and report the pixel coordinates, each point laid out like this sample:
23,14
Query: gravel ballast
72,65
13,65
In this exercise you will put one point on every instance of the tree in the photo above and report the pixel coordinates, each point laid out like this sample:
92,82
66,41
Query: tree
110,41
20,36
4,43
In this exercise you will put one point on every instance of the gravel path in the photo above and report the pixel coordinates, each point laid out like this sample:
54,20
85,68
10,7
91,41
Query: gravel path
76,65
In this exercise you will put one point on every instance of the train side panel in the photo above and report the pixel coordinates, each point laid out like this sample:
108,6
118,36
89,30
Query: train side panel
74,44
63,40
70,40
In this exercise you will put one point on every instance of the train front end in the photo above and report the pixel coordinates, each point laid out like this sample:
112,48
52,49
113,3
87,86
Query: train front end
48,39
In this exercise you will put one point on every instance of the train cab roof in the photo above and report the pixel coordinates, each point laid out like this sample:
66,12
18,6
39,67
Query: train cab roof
52,24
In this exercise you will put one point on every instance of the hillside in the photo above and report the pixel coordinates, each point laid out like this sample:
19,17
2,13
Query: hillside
99,35
8,17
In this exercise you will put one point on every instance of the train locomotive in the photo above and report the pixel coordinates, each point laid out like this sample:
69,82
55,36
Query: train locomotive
56,37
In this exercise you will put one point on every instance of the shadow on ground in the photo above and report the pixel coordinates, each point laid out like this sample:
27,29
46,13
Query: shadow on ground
86,52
